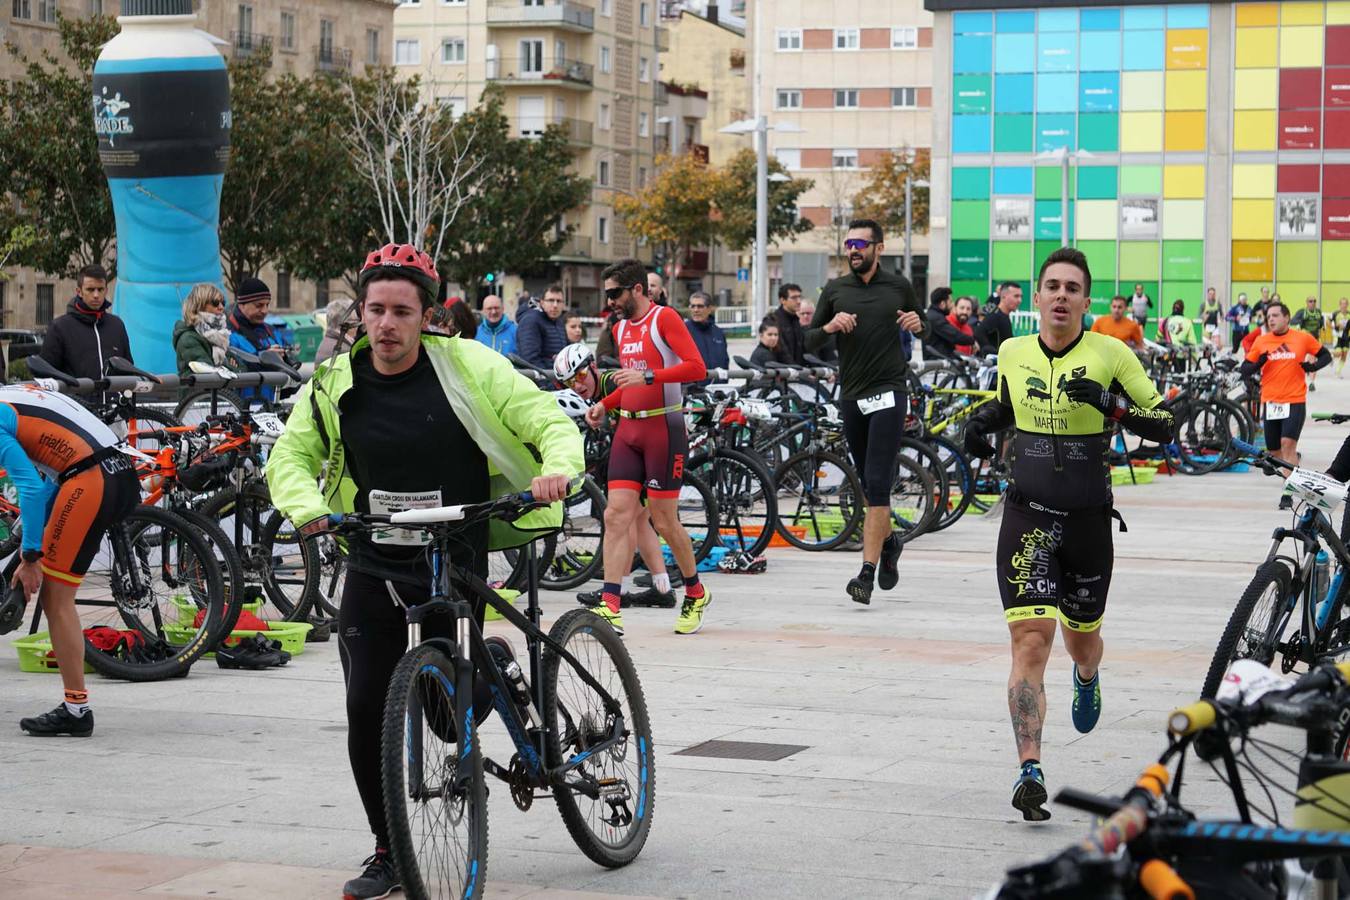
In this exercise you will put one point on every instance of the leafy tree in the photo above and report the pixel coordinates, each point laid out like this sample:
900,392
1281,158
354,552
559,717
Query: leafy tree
677,206
882,196
50,175
735,199
523,189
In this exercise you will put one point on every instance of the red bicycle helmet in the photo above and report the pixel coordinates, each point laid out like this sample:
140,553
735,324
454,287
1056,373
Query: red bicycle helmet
406,260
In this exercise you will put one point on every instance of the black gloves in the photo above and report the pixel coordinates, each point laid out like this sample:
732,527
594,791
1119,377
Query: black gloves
1085,390
976,445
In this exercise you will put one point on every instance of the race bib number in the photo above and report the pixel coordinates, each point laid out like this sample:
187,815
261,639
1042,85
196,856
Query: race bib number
759,410
1276,412
387,502
869,405
269,424
1246,680
1322,491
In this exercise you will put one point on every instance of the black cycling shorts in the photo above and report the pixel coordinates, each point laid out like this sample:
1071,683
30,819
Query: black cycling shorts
874,443
1290,427
1054,564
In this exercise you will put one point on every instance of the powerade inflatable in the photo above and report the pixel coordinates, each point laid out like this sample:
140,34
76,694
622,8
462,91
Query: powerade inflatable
162,114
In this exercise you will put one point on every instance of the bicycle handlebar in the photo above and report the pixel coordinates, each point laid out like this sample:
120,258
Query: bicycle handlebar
1161,882
1333,418
1277,706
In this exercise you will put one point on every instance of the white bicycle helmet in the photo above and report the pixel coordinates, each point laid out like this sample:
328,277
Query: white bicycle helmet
571,360
571,403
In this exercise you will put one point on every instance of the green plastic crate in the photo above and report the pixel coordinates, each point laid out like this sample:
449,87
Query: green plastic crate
290,634
35,654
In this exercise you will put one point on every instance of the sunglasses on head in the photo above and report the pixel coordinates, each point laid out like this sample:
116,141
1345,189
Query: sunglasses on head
857,244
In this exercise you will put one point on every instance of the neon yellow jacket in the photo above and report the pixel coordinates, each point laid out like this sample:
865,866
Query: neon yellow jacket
521,430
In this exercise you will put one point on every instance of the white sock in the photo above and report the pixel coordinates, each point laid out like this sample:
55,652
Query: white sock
77,702
662,582
626,584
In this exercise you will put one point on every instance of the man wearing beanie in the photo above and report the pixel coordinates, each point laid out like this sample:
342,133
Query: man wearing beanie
249,330
81,342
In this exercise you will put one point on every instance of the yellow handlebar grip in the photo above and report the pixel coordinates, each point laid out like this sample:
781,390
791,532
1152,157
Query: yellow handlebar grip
1344,669
1189,719
1161,882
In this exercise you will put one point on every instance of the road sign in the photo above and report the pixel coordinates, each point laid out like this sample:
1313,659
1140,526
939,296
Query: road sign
742,274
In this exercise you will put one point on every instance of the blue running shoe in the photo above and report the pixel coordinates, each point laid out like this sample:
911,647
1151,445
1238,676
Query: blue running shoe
1029,793
1087,702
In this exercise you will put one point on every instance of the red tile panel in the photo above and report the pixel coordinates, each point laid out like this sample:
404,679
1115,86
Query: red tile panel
1336,91
1300,88
1300,129
1297,179
1338,129
1335,181
1338,45
1335,220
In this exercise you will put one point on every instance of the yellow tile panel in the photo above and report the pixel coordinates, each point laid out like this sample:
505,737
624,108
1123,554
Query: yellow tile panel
1301,13
1301,47
1254,180
1253,220
1256,88
1254,129
1184,132
1143,91
1184,182
1187,48
1257,48
1249,14
1142,132
1186,90
1338,12
1097,220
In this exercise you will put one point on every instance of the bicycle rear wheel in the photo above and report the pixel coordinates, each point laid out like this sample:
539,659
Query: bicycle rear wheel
747,504
197,405
435,810
913,509
820,500
698,515
1253,630
578,550
149,579
612,828
271,551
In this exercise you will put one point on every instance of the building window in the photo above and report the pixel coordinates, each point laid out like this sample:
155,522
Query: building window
452,50
22,9
245,24
408,52
4,309
287,31
644,125
644,14
845,159
326,40
93,8
46,299
904,98
789,39
605,65
456,105
644,69
602,173
453,2
604,119
320,294
283,290
642,183
47,11
602,230
532,57
372,46
410,3
906,38
606,7
846,39
790,157
845,98
788,99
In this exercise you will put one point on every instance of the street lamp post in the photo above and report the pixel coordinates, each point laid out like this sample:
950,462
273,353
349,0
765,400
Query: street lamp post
1062,155
910,185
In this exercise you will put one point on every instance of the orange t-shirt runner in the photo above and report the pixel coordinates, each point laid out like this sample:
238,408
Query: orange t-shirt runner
1127,329
1282,377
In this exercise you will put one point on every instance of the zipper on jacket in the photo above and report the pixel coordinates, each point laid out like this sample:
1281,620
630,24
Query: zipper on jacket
1054,435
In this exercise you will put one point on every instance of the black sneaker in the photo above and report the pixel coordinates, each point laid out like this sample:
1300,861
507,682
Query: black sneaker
649,597
860,590
644,580
888,573
589,598
59,721
378,880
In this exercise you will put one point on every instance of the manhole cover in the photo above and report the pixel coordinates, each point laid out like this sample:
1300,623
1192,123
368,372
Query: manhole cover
742,750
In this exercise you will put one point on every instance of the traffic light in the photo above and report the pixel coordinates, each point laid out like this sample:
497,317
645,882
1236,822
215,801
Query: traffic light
491,277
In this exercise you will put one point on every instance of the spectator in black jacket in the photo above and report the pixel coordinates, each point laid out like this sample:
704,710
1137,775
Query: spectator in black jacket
996,327
81,342
826,352
541,334
770,346
791,336
943,337
708,337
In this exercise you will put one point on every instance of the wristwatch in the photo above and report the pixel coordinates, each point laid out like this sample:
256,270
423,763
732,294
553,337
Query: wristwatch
649,376
31,555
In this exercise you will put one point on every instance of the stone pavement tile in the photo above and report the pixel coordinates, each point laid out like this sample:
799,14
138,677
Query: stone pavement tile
248,880
12,855
43,822
80,869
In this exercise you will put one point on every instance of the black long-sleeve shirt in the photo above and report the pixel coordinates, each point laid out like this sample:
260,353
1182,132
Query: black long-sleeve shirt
943,337
994,329
871,359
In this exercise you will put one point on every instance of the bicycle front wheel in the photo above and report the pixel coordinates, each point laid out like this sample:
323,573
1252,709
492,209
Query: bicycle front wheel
1254,628
578,550
612,827
435,799
820,500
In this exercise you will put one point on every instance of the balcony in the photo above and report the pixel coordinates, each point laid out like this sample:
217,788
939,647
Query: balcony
662,39
332,59
661,144
560,14
248,43
563,72
662,96
579,132
576,246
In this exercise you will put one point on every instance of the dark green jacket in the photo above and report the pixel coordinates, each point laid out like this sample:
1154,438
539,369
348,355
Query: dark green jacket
190,346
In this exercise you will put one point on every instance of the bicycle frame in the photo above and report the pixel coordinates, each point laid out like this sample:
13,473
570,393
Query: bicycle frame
469,653
1311,531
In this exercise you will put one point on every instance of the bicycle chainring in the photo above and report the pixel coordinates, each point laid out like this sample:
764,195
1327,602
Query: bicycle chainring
518,778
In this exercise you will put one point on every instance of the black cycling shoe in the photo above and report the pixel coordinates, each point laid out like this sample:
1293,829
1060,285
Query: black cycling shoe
860,590
378,880
58,722
650,597
11,610
589,599
644,579
888,572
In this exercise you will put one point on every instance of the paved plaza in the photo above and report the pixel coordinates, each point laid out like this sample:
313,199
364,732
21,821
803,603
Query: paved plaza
235,784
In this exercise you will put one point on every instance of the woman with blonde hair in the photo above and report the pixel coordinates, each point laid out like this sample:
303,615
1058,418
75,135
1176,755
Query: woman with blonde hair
202,334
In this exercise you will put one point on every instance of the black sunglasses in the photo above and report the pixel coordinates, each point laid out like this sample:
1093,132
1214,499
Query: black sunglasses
858,244
614,293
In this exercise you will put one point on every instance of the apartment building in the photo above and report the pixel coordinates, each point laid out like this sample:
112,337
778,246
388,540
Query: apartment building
591,67
841,83
305,36
707,56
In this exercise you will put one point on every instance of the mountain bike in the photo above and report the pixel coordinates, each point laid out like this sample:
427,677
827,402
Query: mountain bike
579,724
1288,582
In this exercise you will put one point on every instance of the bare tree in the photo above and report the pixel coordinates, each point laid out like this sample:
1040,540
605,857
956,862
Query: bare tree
418,158
840,186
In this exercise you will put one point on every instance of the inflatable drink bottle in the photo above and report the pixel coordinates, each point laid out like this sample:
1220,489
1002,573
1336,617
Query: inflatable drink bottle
162,115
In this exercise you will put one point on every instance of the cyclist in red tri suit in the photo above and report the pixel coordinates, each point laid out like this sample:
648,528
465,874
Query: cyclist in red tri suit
73,483
656,355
